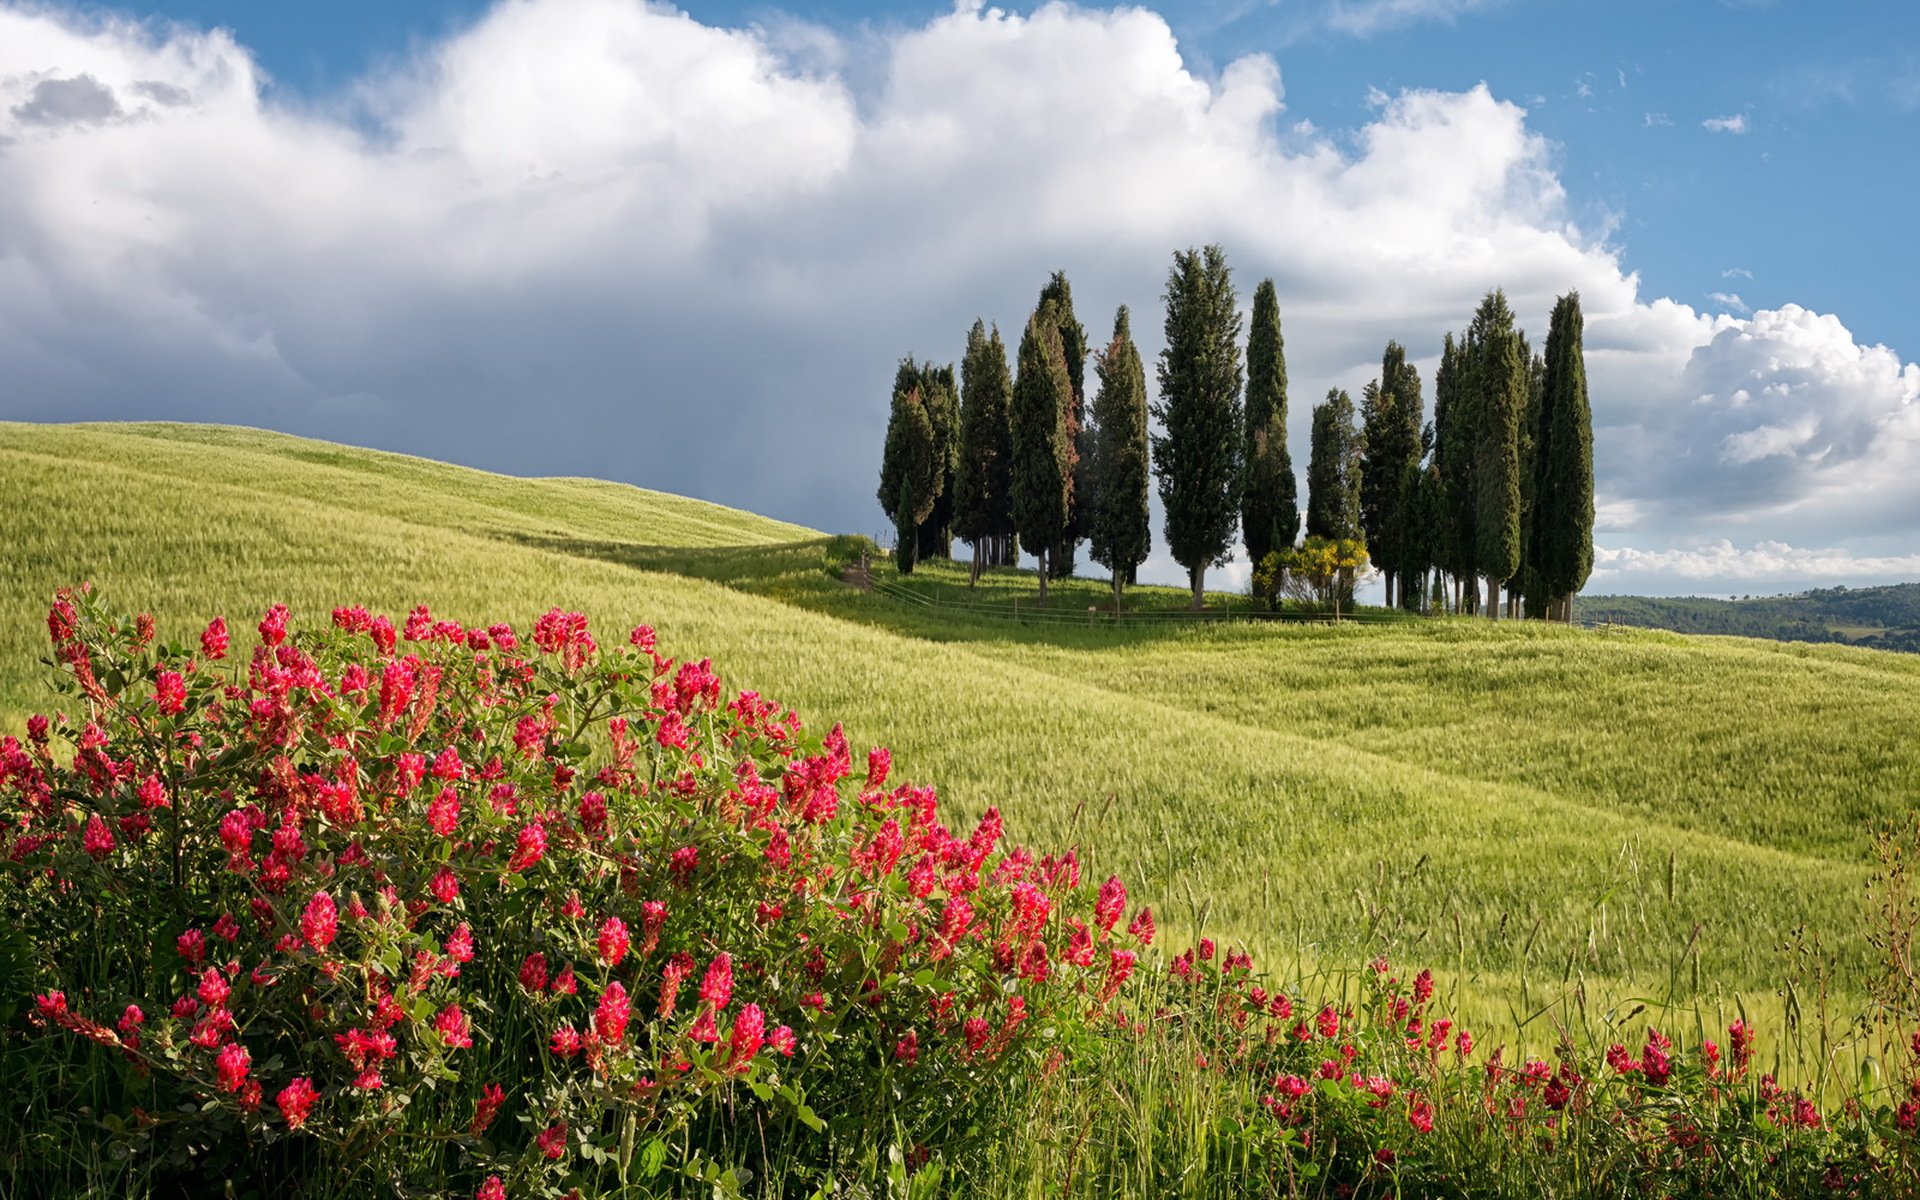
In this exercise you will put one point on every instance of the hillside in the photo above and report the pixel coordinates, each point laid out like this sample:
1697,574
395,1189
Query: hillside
1886,618
1528,807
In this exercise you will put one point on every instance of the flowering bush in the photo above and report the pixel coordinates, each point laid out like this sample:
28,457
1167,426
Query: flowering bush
423,908
430,903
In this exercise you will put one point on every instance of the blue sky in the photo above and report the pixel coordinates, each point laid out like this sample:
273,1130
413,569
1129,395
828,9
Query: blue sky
397,224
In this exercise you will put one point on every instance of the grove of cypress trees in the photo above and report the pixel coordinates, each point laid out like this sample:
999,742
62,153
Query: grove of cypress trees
1564,492
1073,347
1499,384
983,478
1333,491
1120,527
1197,460
1042,453
1269,506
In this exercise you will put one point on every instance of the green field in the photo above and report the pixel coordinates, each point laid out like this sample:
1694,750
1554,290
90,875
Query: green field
1527,809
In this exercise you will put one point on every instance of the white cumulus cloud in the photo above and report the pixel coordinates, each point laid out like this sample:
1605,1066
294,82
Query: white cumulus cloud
1737,123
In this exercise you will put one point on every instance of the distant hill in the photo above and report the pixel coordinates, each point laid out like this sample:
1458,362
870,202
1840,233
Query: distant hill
1886,618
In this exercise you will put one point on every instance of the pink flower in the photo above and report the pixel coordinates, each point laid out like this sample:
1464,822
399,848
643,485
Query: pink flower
529,848
213,639
231,1064
613,941
533,972
443,814
565,1041
782,1039
1142,927
170,693
552,1140
296,1101
320,922
717,987
97,841
460,943
213,989
273,626
610,1016
484,1110
907,1050
492,1189
879,762
444,885
1111,903
453,1027
746,1038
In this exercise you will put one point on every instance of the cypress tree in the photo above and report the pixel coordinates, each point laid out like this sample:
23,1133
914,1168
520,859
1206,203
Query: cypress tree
1269,505
941,399
1565,490
918,471
1197,460
1529,587
1333,484
1073,346
906,541
1121,528
1454,433
1499,385
983,478
1042,454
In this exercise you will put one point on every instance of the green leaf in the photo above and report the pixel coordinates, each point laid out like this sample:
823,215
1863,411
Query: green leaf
652,1157
809,1118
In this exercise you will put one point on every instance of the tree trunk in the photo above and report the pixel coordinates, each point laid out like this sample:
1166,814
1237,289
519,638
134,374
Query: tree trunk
1119,577
1041,557
1389,585
1493,599
1197,577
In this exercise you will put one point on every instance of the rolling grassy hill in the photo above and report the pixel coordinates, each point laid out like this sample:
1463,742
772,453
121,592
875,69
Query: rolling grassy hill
1544,813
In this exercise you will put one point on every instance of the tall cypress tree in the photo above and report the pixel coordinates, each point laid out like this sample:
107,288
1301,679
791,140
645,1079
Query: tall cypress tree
1454,414
1073,347
1528,587
983,479
911,438
1197,460
1269,506
1120,527
1499,385
1333,484
1565,490
1042,453
941,398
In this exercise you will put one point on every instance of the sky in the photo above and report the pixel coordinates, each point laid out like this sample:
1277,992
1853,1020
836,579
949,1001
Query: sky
685,247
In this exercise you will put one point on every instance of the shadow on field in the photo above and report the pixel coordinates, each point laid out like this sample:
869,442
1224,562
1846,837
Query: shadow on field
807,574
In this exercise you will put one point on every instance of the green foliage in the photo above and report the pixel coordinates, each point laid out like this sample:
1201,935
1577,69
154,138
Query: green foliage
1121,526
1269,508
1042,446
1333,470
1197,459
1498,380
983,479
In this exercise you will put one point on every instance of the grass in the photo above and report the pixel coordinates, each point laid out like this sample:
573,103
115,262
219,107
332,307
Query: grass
1552,816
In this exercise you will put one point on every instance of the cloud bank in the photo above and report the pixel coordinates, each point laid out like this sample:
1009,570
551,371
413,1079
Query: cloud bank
600,237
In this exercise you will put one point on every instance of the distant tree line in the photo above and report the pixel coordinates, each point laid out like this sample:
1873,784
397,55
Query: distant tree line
1494,492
